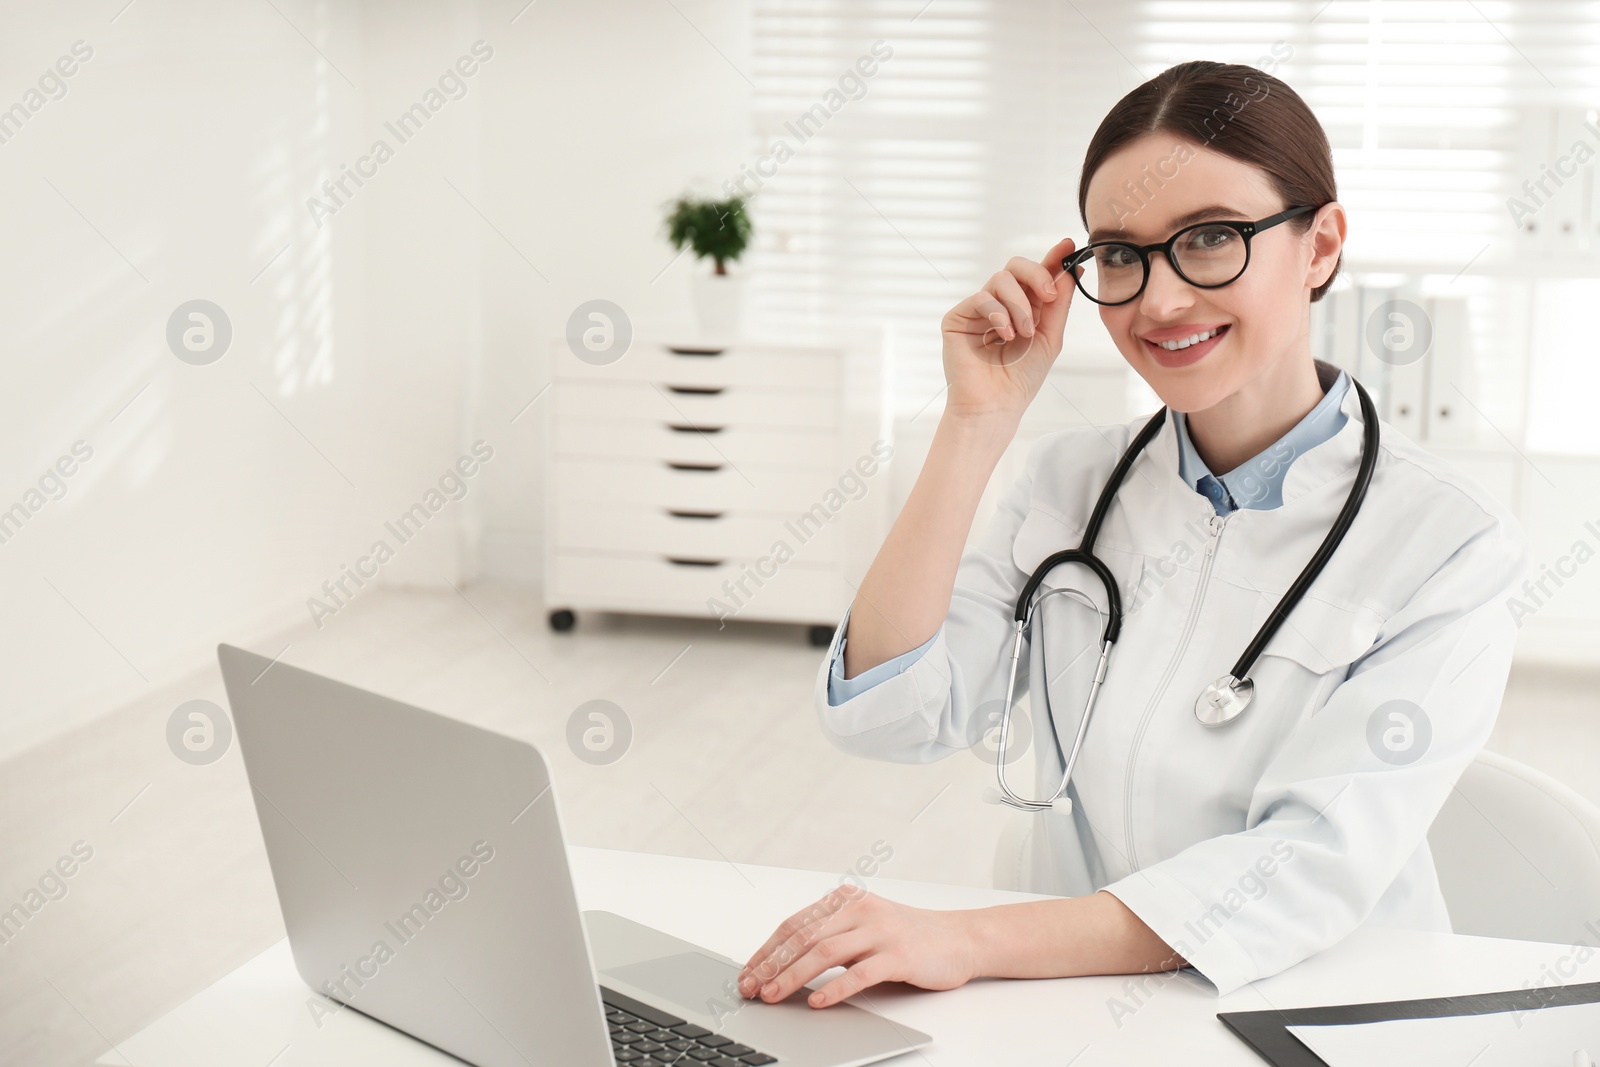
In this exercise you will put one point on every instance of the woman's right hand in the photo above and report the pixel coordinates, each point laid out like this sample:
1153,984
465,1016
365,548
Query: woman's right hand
1001,341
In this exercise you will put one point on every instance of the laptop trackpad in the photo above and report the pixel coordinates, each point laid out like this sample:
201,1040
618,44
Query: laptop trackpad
691,980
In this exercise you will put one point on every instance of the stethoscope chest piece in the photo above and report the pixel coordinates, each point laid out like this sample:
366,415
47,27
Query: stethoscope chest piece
1224,700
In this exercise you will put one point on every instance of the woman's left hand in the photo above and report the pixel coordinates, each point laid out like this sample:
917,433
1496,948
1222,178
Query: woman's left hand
876,939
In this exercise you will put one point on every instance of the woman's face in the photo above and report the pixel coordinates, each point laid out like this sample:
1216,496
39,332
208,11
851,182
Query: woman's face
1263,315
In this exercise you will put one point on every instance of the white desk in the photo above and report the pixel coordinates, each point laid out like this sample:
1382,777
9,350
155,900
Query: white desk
257,1015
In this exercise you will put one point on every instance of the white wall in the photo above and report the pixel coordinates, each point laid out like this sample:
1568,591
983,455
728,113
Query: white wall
370,353
182,151
595,123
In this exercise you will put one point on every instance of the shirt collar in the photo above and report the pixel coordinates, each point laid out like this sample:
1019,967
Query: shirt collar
1337,457
1259,482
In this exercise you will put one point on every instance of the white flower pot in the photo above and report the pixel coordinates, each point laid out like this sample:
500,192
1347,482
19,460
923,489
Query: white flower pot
719,303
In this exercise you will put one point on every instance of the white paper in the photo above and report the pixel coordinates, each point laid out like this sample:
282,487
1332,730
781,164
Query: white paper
1548,1037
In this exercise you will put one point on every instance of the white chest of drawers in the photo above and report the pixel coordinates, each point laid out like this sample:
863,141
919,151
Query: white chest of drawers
745,480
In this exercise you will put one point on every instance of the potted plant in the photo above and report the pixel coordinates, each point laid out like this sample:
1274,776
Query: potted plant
718,230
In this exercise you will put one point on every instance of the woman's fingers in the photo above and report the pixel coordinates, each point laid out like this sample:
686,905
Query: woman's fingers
1053,316
1038,277
781,958
840,950
798,929
1023,298
985,309
875,940
786,929
859,976
1008,291
978,315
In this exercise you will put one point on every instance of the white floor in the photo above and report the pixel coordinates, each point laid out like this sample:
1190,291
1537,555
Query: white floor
726,762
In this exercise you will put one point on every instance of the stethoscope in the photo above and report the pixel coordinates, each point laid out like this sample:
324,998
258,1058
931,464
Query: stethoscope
1224,699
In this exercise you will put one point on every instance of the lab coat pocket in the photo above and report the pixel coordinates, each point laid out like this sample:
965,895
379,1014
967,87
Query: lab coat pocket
1043,532
1314,647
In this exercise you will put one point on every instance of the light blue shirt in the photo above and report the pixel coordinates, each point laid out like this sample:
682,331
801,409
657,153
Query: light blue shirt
1256,483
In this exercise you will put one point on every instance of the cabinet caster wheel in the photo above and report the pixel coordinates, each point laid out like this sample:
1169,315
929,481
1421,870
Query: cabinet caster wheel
562,620
820,636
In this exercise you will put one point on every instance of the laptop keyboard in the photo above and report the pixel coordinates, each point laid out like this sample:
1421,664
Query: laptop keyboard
648,1037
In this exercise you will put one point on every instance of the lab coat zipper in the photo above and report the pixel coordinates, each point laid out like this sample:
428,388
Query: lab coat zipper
1217,523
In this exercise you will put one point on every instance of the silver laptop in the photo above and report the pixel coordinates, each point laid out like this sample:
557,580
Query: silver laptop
423,877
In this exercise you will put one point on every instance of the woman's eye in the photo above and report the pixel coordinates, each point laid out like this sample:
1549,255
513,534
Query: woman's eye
1211,240
1116,256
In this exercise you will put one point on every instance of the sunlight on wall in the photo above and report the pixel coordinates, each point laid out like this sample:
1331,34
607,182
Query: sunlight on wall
301,341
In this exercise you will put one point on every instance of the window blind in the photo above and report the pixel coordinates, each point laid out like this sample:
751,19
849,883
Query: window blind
964,147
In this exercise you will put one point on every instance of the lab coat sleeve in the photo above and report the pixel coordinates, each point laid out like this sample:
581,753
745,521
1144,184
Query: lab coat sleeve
925,712
1331,822
841,688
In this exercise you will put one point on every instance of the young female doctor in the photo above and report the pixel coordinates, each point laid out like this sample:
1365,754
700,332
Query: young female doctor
1227,811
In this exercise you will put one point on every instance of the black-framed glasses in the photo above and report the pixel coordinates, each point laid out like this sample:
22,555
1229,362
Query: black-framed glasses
1207,255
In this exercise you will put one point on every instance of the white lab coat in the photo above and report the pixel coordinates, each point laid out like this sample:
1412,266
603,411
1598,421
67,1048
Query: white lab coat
1251,846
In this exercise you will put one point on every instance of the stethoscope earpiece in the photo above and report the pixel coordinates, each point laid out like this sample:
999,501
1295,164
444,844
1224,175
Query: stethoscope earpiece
991,795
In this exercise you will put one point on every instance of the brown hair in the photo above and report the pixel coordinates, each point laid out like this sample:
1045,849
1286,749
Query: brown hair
1240,111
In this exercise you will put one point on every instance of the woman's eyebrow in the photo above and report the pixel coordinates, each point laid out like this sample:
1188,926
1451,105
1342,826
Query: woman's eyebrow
1213,211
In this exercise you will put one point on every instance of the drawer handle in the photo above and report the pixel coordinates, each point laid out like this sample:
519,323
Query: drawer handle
689,427
689,561
677,466
677,514
694,350
697,390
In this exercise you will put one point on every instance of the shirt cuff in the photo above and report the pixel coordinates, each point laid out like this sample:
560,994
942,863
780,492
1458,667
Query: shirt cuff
841,689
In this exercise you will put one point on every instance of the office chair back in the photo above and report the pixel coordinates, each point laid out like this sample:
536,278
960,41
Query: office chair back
1518,855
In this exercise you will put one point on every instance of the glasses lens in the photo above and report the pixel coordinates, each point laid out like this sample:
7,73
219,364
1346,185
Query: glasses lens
1111,273
1210,255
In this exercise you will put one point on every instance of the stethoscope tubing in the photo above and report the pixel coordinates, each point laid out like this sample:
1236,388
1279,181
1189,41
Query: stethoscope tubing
1330,542
1084,554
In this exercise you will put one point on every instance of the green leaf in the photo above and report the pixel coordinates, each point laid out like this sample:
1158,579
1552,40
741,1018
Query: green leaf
718,230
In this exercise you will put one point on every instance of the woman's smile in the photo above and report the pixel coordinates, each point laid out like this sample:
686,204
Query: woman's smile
1179,346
